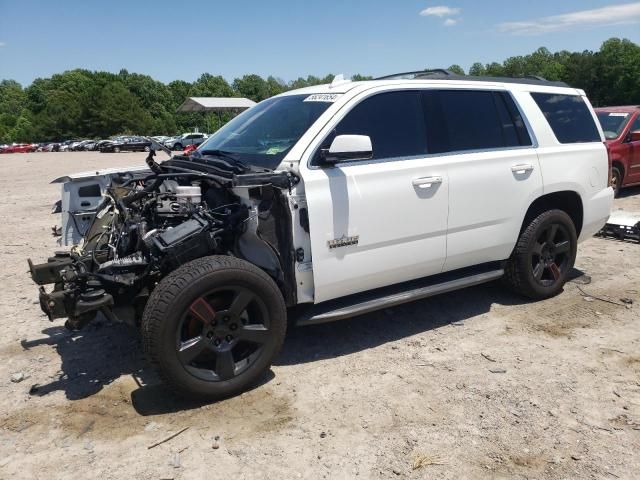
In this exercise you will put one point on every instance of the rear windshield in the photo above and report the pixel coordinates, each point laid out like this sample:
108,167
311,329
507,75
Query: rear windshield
613,123
569,117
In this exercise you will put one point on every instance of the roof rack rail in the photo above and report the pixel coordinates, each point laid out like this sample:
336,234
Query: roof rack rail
442,74
416,74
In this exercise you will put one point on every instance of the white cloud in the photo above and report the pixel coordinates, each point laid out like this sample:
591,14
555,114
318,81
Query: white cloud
440,11
612,15
450,22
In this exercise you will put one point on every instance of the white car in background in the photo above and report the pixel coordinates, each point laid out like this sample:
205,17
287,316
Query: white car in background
185,139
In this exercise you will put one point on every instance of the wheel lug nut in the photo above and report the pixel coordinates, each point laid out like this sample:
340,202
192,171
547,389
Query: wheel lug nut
228,338
216,342
233,326
210,335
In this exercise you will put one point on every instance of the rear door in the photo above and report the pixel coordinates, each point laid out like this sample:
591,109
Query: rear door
493,171
382,221
633,175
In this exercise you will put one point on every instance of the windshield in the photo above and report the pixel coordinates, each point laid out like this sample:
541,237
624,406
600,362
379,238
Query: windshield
613,123
262,135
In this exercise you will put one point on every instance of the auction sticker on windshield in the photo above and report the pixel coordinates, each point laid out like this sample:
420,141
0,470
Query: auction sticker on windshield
322,97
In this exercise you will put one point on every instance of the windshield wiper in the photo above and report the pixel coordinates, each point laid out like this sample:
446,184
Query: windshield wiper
226,155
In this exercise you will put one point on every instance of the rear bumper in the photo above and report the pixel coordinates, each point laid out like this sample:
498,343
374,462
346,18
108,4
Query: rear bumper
596,213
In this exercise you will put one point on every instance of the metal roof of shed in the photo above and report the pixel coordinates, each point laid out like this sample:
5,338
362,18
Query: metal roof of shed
215,104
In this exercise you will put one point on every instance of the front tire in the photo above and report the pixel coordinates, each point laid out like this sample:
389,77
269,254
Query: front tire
116,149
213,327
544,255
177,146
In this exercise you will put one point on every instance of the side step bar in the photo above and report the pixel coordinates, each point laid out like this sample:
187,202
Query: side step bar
360,304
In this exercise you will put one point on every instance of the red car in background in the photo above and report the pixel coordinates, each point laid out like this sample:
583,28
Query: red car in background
19,148
621,127
189,149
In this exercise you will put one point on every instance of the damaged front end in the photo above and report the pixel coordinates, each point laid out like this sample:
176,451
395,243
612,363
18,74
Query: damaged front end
151,221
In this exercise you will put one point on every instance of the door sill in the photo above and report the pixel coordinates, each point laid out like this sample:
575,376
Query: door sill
386,297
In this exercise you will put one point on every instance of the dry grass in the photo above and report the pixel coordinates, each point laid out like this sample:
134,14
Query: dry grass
421,460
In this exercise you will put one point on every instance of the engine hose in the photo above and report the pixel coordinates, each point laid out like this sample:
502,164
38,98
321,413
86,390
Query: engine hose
134,197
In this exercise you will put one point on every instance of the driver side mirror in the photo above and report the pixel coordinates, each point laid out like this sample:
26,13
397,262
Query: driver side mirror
634,136
347,148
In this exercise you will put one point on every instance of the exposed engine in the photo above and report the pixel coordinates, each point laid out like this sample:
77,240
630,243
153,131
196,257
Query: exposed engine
150,223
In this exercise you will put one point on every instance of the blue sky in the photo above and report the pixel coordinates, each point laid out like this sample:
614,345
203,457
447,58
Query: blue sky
292,38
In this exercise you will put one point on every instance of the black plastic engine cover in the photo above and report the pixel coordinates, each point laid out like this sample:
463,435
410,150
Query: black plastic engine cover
189,240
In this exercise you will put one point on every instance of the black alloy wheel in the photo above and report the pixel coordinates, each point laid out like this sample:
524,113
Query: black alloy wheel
550,255
222,333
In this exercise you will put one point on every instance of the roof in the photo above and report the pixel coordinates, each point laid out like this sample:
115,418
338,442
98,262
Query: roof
621,109
440,74
215,104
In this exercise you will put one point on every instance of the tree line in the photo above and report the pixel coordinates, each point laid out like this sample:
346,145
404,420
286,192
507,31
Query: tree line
87,104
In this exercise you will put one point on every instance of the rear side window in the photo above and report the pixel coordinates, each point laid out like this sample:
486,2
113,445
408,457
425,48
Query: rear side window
461,120
394,121
568,116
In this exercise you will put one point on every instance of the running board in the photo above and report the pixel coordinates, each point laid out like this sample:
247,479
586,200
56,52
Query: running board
366,302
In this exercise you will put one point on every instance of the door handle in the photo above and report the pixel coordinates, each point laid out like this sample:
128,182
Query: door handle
426,182
520,169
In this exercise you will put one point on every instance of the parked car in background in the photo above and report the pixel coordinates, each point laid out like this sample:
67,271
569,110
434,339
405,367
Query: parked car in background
90,145
20,148
79,146
66,145
185,139
621,126
161,138
189,148
127,144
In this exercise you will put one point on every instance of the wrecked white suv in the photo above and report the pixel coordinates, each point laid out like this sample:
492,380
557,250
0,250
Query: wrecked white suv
337,200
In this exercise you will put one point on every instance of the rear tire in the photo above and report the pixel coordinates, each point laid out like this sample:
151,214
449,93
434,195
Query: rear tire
177,146
616,180
543,257
213,327
116,149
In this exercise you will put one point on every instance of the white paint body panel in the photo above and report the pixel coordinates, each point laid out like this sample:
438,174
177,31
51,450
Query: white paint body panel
401,227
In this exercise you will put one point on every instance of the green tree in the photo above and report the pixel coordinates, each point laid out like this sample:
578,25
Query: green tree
477,69
253,87
457,69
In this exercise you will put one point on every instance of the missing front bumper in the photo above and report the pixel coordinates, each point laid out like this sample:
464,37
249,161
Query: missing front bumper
73,301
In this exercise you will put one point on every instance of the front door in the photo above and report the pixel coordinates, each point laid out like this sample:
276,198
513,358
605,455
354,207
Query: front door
382,221
633,175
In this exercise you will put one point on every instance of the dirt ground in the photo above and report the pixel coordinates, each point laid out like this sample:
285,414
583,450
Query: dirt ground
473,384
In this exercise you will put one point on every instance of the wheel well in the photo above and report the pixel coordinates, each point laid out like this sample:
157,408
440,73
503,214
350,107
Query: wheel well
567,201
620,167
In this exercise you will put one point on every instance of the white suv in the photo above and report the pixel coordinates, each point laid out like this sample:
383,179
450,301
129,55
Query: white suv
185,139
337,200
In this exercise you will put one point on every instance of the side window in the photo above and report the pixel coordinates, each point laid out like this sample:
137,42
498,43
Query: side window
513,121
569,117
394,121
636,125
461,120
